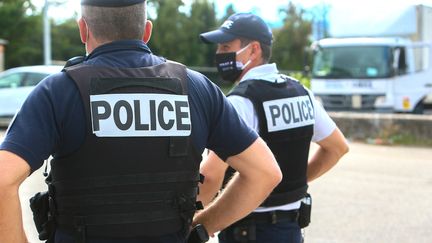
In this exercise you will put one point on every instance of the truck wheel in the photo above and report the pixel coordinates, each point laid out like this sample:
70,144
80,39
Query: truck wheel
419,108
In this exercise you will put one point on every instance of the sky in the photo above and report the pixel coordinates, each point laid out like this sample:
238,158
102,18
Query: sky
338,11
269,9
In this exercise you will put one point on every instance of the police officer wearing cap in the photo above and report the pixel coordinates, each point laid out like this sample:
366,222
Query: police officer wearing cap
126,130
286,116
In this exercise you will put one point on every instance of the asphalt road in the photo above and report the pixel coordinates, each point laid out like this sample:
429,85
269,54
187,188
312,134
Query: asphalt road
379,194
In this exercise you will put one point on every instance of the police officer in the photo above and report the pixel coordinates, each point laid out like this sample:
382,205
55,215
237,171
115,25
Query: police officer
126,130
286,116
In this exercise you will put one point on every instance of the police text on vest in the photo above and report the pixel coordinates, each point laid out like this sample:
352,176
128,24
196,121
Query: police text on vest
140,115
288,113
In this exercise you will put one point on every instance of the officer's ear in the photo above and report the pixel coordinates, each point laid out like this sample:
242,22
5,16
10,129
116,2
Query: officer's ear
83,29
256,50
147,31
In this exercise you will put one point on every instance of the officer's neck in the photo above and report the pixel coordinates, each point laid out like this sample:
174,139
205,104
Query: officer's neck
92,44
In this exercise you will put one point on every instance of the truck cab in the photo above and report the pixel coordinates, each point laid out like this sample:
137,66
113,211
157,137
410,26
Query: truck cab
372,74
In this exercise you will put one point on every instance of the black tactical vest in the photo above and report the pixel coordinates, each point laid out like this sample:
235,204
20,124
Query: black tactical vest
137,172
286,117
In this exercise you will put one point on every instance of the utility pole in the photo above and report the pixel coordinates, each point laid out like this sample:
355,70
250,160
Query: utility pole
46,35
47,29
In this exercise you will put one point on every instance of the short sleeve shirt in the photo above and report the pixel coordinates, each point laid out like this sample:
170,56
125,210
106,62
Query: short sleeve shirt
52,119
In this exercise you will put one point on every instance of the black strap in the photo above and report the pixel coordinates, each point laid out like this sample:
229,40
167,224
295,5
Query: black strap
113,219
167,198
274,216
125,180
179,146
74,61
271,217
202,178
105,85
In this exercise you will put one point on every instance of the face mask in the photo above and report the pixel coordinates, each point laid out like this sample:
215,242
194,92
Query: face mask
228,67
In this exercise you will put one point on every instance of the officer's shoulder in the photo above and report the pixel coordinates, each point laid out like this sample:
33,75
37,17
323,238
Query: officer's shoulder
174,63
289,78
74,61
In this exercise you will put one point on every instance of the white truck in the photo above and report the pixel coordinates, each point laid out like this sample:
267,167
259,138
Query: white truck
389,71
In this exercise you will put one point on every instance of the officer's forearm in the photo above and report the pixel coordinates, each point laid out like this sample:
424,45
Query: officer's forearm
258,175
11,226
240,197
328,154
213,169
208,190
13,171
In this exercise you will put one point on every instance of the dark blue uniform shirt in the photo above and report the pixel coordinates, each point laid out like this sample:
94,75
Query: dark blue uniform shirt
52,119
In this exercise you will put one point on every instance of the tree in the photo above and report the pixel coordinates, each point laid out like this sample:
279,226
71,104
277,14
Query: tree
66,42
290,41
229,10
202,19
23,30
169,38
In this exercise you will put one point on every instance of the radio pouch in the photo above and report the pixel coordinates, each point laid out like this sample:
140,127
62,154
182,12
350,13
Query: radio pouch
39,205
305,211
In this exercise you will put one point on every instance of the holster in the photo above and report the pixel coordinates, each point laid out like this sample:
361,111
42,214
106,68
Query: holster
44,220
198,235
305,211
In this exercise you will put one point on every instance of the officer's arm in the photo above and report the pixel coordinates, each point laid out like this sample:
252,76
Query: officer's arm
13,171
330,150
213,168
258,174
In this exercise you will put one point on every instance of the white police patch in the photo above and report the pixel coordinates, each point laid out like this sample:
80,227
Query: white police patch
140,115
288,113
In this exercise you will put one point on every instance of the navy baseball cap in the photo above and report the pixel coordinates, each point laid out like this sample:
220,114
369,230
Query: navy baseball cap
110,3
244,25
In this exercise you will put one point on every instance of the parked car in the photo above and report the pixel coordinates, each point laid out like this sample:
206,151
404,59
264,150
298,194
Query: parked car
17,83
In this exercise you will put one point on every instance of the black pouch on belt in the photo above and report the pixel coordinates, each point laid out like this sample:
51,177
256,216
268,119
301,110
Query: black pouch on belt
305,211
39,204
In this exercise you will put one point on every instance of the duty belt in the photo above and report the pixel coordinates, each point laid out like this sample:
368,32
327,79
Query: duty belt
273,217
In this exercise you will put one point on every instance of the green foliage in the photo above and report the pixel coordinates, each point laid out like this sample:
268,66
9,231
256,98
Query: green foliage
175,34
202,18
170,36
409,139
229,10
22,31
66,42
292,39
305,80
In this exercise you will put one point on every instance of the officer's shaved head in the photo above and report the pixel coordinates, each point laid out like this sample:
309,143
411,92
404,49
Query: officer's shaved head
116,23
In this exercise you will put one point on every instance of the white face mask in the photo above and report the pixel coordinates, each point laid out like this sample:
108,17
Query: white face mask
240,65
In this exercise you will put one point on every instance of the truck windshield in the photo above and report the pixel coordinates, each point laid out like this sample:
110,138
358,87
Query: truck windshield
352,62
